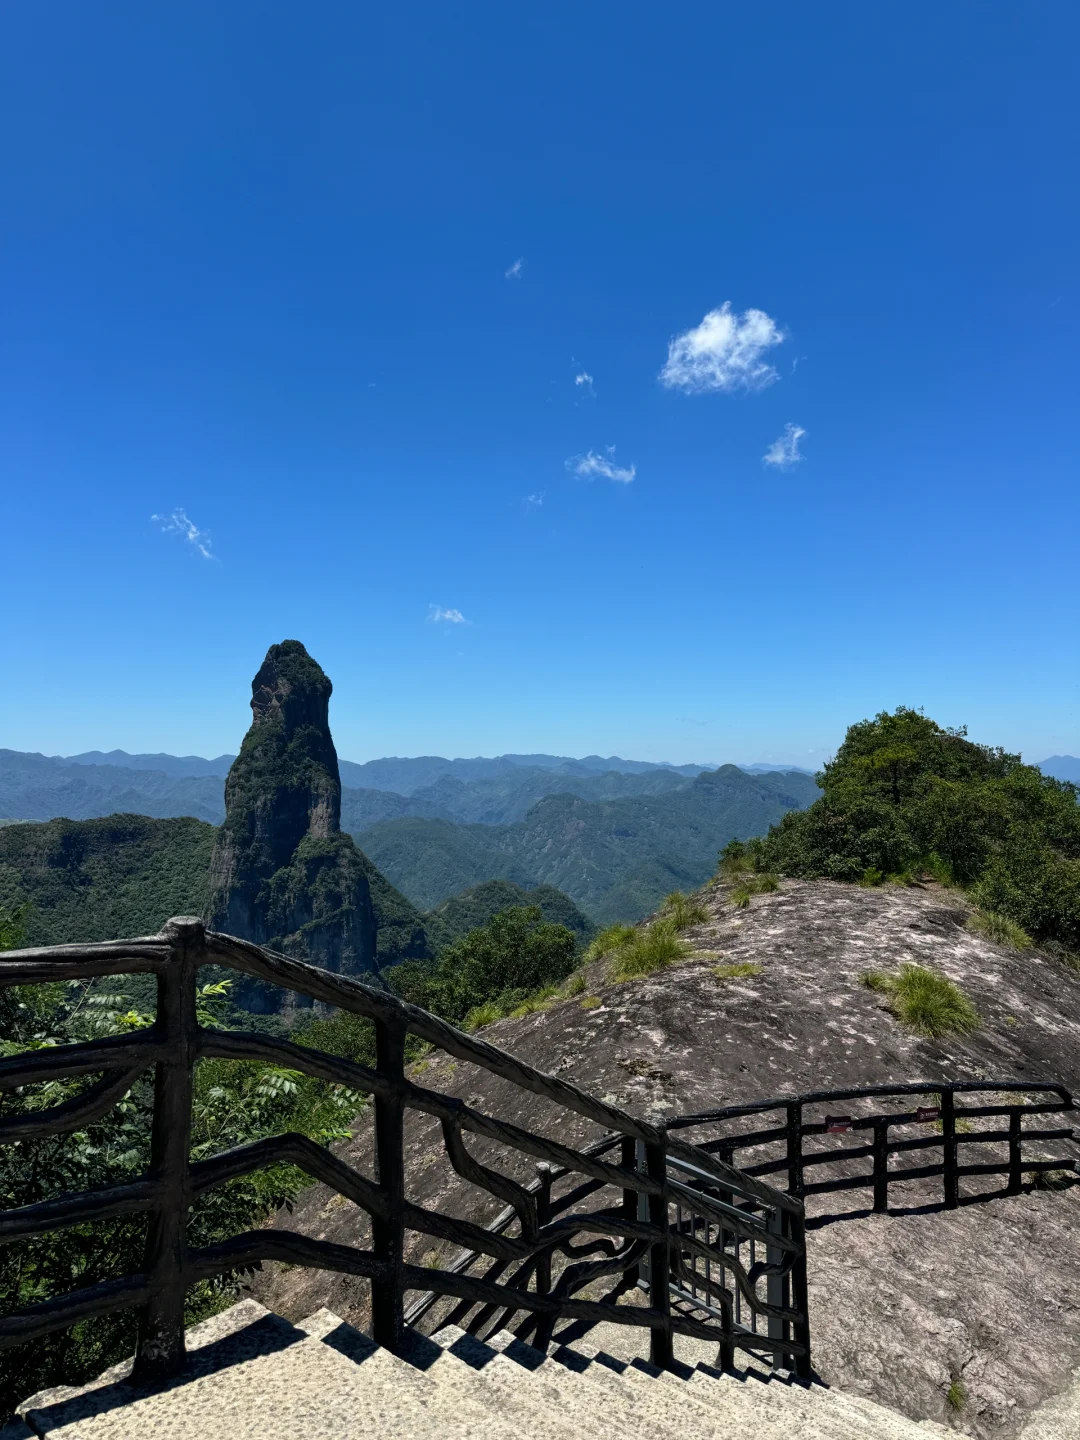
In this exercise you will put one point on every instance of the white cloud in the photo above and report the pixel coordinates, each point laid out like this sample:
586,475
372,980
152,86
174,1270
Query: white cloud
590,465
724,352
178,524
514,272
451,617
784,451
533,502
584,382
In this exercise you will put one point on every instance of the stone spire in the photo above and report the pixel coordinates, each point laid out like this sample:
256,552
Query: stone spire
282,873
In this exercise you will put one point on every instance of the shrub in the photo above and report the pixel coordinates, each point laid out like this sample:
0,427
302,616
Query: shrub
1000,929
734,859
924,1001
939,870
504,962
683,911
737,970
871,877
650,949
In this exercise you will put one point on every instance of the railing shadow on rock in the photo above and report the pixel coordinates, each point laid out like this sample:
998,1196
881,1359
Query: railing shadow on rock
674,1211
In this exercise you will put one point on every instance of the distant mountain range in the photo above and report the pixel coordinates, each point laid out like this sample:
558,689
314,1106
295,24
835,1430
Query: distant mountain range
1062,767
497,791
615,857
614,835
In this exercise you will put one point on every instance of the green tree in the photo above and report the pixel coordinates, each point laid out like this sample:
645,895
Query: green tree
517,952
904,794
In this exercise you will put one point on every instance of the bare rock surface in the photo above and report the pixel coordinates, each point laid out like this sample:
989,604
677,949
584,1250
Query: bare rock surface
982,1302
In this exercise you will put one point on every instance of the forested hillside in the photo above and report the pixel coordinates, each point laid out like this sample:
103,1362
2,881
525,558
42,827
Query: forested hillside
454,918
126,875
615,858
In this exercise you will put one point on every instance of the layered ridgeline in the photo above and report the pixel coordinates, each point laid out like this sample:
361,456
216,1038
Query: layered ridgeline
616,858
498,791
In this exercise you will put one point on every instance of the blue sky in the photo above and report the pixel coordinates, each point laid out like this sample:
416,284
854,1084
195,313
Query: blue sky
313,286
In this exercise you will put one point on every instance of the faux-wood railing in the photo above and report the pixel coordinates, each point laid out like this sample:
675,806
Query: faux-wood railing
939,1120
642,1237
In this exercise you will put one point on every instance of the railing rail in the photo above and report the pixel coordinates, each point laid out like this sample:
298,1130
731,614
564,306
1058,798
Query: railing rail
944,1124
633,1237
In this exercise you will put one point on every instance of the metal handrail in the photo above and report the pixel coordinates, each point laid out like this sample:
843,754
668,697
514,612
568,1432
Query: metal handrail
632,1235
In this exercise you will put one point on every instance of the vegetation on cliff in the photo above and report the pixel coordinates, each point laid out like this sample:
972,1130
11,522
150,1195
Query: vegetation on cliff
454,918
101,879
904,796
498,965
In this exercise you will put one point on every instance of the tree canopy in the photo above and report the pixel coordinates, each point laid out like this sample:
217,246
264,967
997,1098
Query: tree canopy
904,795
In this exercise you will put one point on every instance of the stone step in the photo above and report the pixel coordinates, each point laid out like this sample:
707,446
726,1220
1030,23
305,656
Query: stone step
253,1374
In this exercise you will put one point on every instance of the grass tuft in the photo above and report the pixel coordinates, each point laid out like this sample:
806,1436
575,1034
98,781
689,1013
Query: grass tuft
575,985
482,1015
738,970
956,1397
610,939
683,911
924,1001
1000,929
751,885
1049,1179
650,949
591,1002
541,999
871,877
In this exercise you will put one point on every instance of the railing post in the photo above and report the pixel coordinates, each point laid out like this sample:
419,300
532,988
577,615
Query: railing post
775,1282
159,1353
388,1235
629,1161
794,1149
1015,1133
800,1296
881,1168
661,1349
948,1141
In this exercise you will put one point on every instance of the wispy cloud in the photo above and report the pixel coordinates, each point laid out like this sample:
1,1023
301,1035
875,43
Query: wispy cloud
514,272
725,352
584,381
439,615
533,502
784,451
178,524
590,465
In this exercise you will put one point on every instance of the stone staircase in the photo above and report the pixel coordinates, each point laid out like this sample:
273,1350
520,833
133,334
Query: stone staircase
253,1374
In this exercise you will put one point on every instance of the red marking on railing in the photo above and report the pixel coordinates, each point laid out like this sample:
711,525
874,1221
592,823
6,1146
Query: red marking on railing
837,1124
